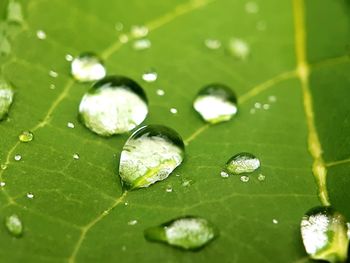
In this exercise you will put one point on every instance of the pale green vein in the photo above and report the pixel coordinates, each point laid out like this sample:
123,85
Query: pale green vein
340,162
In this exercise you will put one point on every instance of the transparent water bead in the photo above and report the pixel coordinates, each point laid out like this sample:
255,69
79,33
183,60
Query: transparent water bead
88,67
30,195
41,34
18,157
139,31
6,99
244,179
242,163
142,44
150,155
113,105
212,44
216,103
324,234
239,48
251,7
26,136
150,76
14,225
190,233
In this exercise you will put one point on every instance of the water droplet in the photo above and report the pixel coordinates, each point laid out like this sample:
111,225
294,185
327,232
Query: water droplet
212,44
173,110
26,136
272,98
123,248
150,155
126,203
160,92
3,167
257,105
6,99
52,86
132,222
275,221
266,106
53,74
242,163
324,234
169,189
244,178
186,182
252,111
76,156
251,7
142,44
70,125
119,26
41,34
261,177
14,12
224,174
138,31
113,105
18,157
216,103
88,67
261,25
69,57
190,233
2,184
123,38
150,76
30,195
14,225
239,48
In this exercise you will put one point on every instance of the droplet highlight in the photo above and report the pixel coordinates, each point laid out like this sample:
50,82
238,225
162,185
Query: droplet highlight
88,67
6,99
14,225
150,76
26,136
18,157
242,163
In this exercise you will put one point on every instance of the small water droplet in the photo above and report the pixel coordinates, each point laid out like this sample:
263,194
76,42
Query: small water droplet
242,163
257,105
324,234
212,44
18,157
275,221
70,125
41,34
190,233
224,174
169,189
53,74
245,178
26,136
272,98
113,105
126,203
6,99
252,111
3,167
266,106
216,103
139,31
150,76
30,195
14,225
150,155
173,110
76,156
160,92
239,48
88,67
186,182
251,7
123,38
261,177
119,26
142,44
2,184
69,57
52,86
132,222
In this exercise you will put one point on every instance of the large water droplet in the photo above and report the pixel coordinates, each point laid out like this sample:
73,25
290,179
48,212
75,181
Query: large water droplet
189,233
242,163
216,103
88,67
14,225
113,105
26,136
150,155
6,98
324,233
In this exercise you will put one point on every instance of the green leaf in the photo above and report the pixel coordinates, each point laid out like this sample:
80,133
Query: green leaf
79,213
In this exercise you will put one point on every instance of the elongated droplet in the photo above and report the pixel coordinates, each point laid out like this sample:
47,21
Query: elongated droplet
26,136
190,233
150,155
324,234
242,163
6,99
88,67
216,103
113,105
14,225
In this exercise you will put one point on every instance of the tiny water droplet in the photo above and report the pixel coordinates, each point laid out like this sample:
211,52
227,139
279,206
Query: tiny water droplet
6,98
212,44
251,7
26,136
216,103
272,98
123,38
88,67
275,221
150,76
186,182
70,125
14,12
324,234
261,177
30,195
224,174
244,178
252,111
126,203
150,155
132,222
257,105
18,157
2,184
113,105
53,74
41,34
266,106
139,31
169,189
160,92
76,156
14,225
119,26
239,48
69,57
142,44
52,86
242,163
190,233
3,167
173,110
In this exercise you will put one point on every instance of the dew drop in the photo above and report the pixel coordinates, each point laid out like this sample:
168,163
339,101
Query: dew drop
244,178
138,31
3,167
261,177
6,99
224,174
251,7
2,184
275,221
132,222
252,111
52,86
41,34
14,225
173,110
18,157
266,106
242,163
53,74
123,38
26,136
150,155
69,57
150,76
160,92
261,25
119,26
272,98
216,103
186,182
190,233
142,44
169,189
239,48
30,195
88,67
70,125
324,234
126,203
113,105
212,44
257,105
76,156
